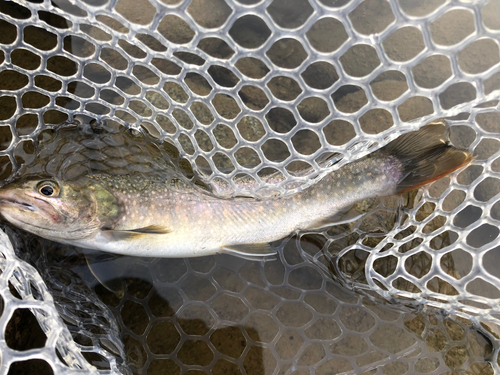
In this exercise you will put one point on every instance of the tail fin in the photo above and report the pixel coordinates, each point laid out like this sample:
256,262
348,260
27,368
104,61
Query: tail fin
426,156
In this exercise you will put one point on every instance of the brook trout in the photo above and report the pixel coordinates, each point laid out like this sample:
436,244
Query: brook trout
146,217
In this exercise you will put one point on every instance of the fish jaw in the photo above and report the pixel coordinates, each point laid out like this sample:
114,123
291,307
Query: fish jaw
23,208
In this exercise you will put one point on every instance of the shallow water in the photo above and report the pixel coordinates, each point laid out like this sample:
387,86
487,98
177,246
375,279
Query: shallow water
226,314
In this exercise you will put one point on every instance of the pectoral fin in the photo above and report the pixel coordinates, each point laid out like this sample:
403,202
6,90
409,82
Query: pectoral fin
253,251
153,229
133,234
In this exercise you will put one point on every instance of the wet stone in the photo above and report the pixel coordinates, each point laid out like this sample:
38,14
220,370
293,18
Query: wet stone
456,357
251,129
163,337
226,106
260,299
23,331
175,29
339,132
376,121
290,14
7,107
261,327
324,329
479,56
288,344
452,27
284,88
287,53
391,338
389,85
356,319
414,108
275,150
404,44
482,288
209,14
250,31
360,60
216,47
252,67
166,304
135,317
161,364
306,142
39,38
229,341
195,320
195,352
229,308
349,98
198,288
25,59
228,280
31,366
298,318
313,109
223,366
253,97
372,16
432,71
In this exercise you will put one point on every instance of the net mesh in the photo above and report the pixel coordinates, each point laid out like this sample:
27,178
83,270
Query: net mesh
237,91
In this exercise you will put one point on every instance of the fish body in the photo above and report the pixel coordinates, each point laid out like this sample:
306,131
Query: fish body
149,217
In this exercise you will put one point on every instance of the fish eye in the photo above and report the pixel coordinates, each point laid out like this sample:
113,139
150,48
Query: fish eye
48,188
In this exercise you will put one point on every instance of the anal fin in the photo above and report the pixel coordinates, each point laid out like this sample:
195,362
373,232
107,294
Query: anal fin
253,251
342,216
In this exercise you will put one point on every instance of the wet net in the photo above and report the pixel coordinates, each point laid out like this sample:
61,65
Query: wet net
226,94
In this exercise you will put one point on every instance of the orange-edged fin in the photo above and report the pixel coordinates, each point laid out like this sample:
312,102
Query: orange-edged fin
426,156
441,165
133,234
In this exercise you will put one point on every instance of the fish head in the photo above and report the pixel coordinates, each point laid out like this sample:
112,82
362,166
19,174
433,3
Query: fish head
55,209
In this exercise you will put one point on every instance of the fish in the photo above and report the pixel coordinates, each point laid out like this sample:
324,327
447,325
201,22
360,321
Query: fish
150,217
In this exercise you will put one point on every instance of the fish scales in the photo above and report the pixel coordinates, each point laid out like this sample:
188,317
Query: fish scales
144,215
204,223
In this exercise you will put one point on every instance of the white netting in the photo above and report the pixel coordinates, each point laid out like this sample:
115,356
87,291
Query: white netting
23,290
248,88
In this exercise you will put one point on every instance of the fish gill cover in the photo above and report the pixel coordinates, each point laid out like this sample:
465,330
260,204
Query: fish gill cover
230,91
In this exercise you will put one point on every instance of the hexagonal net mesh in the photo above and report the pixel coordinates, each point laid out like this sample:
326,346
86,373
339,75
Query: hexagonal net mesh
264,98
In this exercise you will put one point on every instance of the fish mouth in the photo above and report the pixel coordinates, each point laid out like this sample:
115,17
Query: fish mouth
14,202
